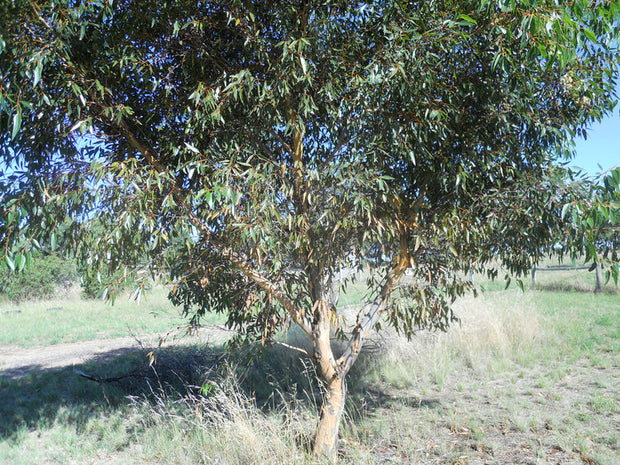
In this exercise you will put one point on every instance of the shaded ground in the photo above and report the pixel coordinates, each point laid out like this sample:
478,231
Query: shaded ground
42,386
16,361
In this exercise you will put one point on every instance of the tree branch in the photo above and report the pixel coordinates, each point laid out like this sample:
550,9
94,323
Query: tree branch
286,146
291,347
242,263
239,260
377,308
134,374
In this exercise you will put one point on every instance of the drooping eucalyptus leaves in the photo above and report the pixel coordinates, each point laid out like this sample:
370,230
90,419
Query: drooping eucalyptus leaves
264,154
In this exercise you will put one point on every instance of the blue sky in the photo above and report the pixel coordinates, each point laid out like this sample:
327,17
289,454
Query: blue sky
602,146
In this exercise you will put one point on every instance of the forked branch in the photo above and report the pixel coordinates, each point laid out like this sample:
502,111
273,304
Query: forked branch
376,310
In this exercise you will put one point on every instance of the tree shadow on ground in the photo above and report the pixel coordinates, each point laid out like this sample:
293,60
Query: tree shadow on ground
35,397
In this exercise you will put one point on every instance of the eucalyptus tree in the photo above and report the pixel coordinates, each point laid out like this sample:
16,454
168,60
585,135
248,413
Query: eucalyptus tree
593,226
287,141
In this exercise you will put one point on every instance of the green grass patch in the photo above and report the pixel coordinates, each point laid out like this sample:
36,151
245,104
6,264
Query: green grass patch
584,324
73,319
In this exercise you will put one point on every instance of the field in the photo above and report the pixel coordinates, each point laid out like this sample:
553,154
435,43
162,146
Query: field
526,378
70,319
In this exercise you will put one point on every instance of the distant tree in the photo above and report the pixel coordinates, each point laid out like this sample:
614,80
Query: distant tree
593,229
289,141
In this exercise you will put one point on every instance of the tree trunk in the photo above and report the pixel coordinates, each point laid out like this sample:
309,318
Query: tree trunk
599,278
326,438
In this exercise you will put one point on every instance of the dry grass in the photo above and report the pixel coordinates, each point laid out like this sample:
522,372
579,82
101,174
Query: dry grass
224,427
491,330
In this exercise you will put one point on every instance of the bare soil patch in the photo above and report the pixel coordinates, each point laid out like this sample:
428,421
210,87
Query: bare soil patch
527,417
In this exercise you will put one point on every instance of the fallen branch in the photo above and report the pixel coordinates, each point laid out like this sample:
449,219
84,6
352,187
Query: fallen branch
98,379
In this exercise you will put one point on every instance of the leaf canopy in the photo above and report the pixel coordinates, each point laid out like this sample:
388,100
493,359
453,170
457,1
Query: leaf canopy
256,151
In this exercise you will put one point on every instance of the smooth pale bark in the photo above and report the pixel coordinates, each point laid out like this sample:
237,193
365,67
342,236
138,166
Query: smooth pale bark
333,373
326,438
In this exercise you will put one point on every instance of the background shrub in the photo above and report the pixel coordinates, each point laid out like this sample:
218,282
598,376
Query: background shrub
47,276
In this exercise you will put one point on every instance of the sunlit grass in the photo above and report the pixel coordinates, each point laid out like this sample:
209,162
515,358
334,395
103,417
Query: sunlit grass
73,319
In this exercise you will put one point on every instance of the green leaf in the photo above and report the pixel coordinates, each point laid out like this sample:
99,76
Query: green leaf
17,122
37,73
10,263
304,66
20,262
590,35
453,250
469,19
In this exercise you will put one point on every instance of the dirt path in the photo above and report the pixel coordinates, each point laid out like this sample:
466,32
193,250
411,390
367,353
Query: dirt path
16,361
